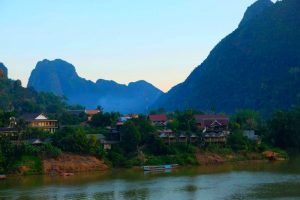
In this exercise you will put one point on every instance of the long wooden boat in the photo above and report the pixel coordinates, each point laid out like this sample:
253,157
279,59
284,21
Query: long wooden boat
67,174
160,167
2,176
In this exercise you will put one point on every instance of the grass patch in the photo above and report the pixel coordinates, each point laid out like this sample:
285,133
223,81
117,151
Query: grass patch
28,165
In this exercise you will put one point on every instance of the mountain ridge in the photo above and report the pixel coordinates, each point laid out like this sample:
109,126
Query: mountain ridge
248,69
61,78
3,70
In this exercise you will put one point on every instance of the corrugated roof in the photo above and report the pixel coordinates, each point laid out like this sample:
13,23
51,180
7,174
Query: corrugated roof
30,116
156,118
92,112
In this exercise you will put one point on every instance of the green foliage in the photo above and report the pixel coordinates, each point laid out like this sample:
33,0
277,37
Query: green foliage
13,155
237,141
186,120
104,119
35,133
145,128
74,139
33,165
285,130
68,119
131,136
247,119
254,67
14,97
4,118
181,159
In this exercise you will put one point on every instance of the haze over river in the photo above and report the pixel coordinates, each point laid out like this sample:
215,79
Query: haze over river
247,180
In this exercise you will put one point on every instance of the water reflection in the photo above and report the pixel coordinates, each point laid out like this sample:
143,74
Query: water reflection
259,180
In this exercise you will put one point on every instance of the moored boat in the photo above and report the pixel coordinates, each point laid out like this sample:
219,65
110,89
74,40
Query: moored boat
160,167
67,174
2,176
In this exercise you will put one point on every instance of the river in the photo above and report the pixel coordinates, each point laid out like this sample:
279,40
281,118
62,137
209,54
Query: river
247,180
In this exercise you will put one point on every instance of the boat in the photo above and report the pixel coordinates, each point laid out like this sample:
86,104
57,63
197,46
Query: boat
160,167
2,176
67,174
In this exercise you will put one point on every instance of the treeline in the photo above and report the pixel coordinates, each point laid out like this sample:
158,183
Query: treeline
15,98
140,143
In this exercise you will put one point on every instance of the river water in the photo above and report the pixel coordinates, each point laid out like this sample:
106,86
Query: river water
247,180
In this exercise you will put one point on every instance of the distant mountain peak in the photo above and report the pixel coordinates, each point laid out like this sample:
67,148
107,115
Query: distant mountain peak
255,9
60,77
254,67
58,64
3,70
139,82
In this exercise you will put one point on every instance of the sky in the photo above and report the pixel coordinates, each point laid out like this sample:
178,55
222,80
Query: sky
160,41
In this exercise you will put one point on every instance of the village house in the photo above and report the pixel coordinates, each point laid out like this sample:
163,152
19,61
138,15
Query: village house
182,138
250,134
193,138
167,135
215,137
214,127
8,132
41,121
159,120
91,113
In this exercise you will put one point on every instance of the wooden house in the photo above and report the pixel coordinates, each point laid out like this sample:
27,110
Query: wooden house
214,127
159,120
91,113
41,121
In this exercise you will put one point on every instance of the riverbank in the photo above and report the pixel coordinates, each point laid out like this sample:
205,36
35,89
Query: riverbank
74,163
246,180
65,163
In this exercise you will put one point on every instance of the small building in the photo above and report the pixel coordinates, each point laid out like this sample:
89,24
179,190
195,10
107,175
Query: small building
158,120
167,135
212,122
91,113
41,121
35,141
182,138
250,134
105,141
8,132
215,127
193,138
214,137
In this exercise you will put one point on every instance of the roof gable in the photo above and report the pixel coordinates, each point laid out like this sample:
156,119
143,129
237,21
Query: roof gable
34,116
211,120
92,112
41,117
158,118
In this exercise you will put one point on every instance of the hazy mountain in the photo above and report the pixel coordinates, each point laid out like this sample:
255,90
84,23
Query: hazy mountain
257,66
3,70
61,78
14,97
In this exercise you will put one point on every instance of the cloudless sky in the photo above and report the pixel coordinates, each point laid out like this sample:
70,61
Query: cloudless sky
160,41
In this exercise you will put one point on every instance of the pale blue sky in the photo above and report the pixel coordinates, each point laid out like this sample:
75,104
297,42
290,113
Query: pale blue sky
160,41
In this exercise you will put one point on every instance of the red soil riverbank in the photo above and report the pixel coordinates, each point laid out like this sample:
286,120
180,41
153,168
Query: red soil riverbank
72,163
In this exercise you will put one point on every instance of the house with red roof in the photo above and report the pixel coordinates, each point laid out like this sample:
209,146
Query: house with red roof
91,113
214,126
159,120
212,122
